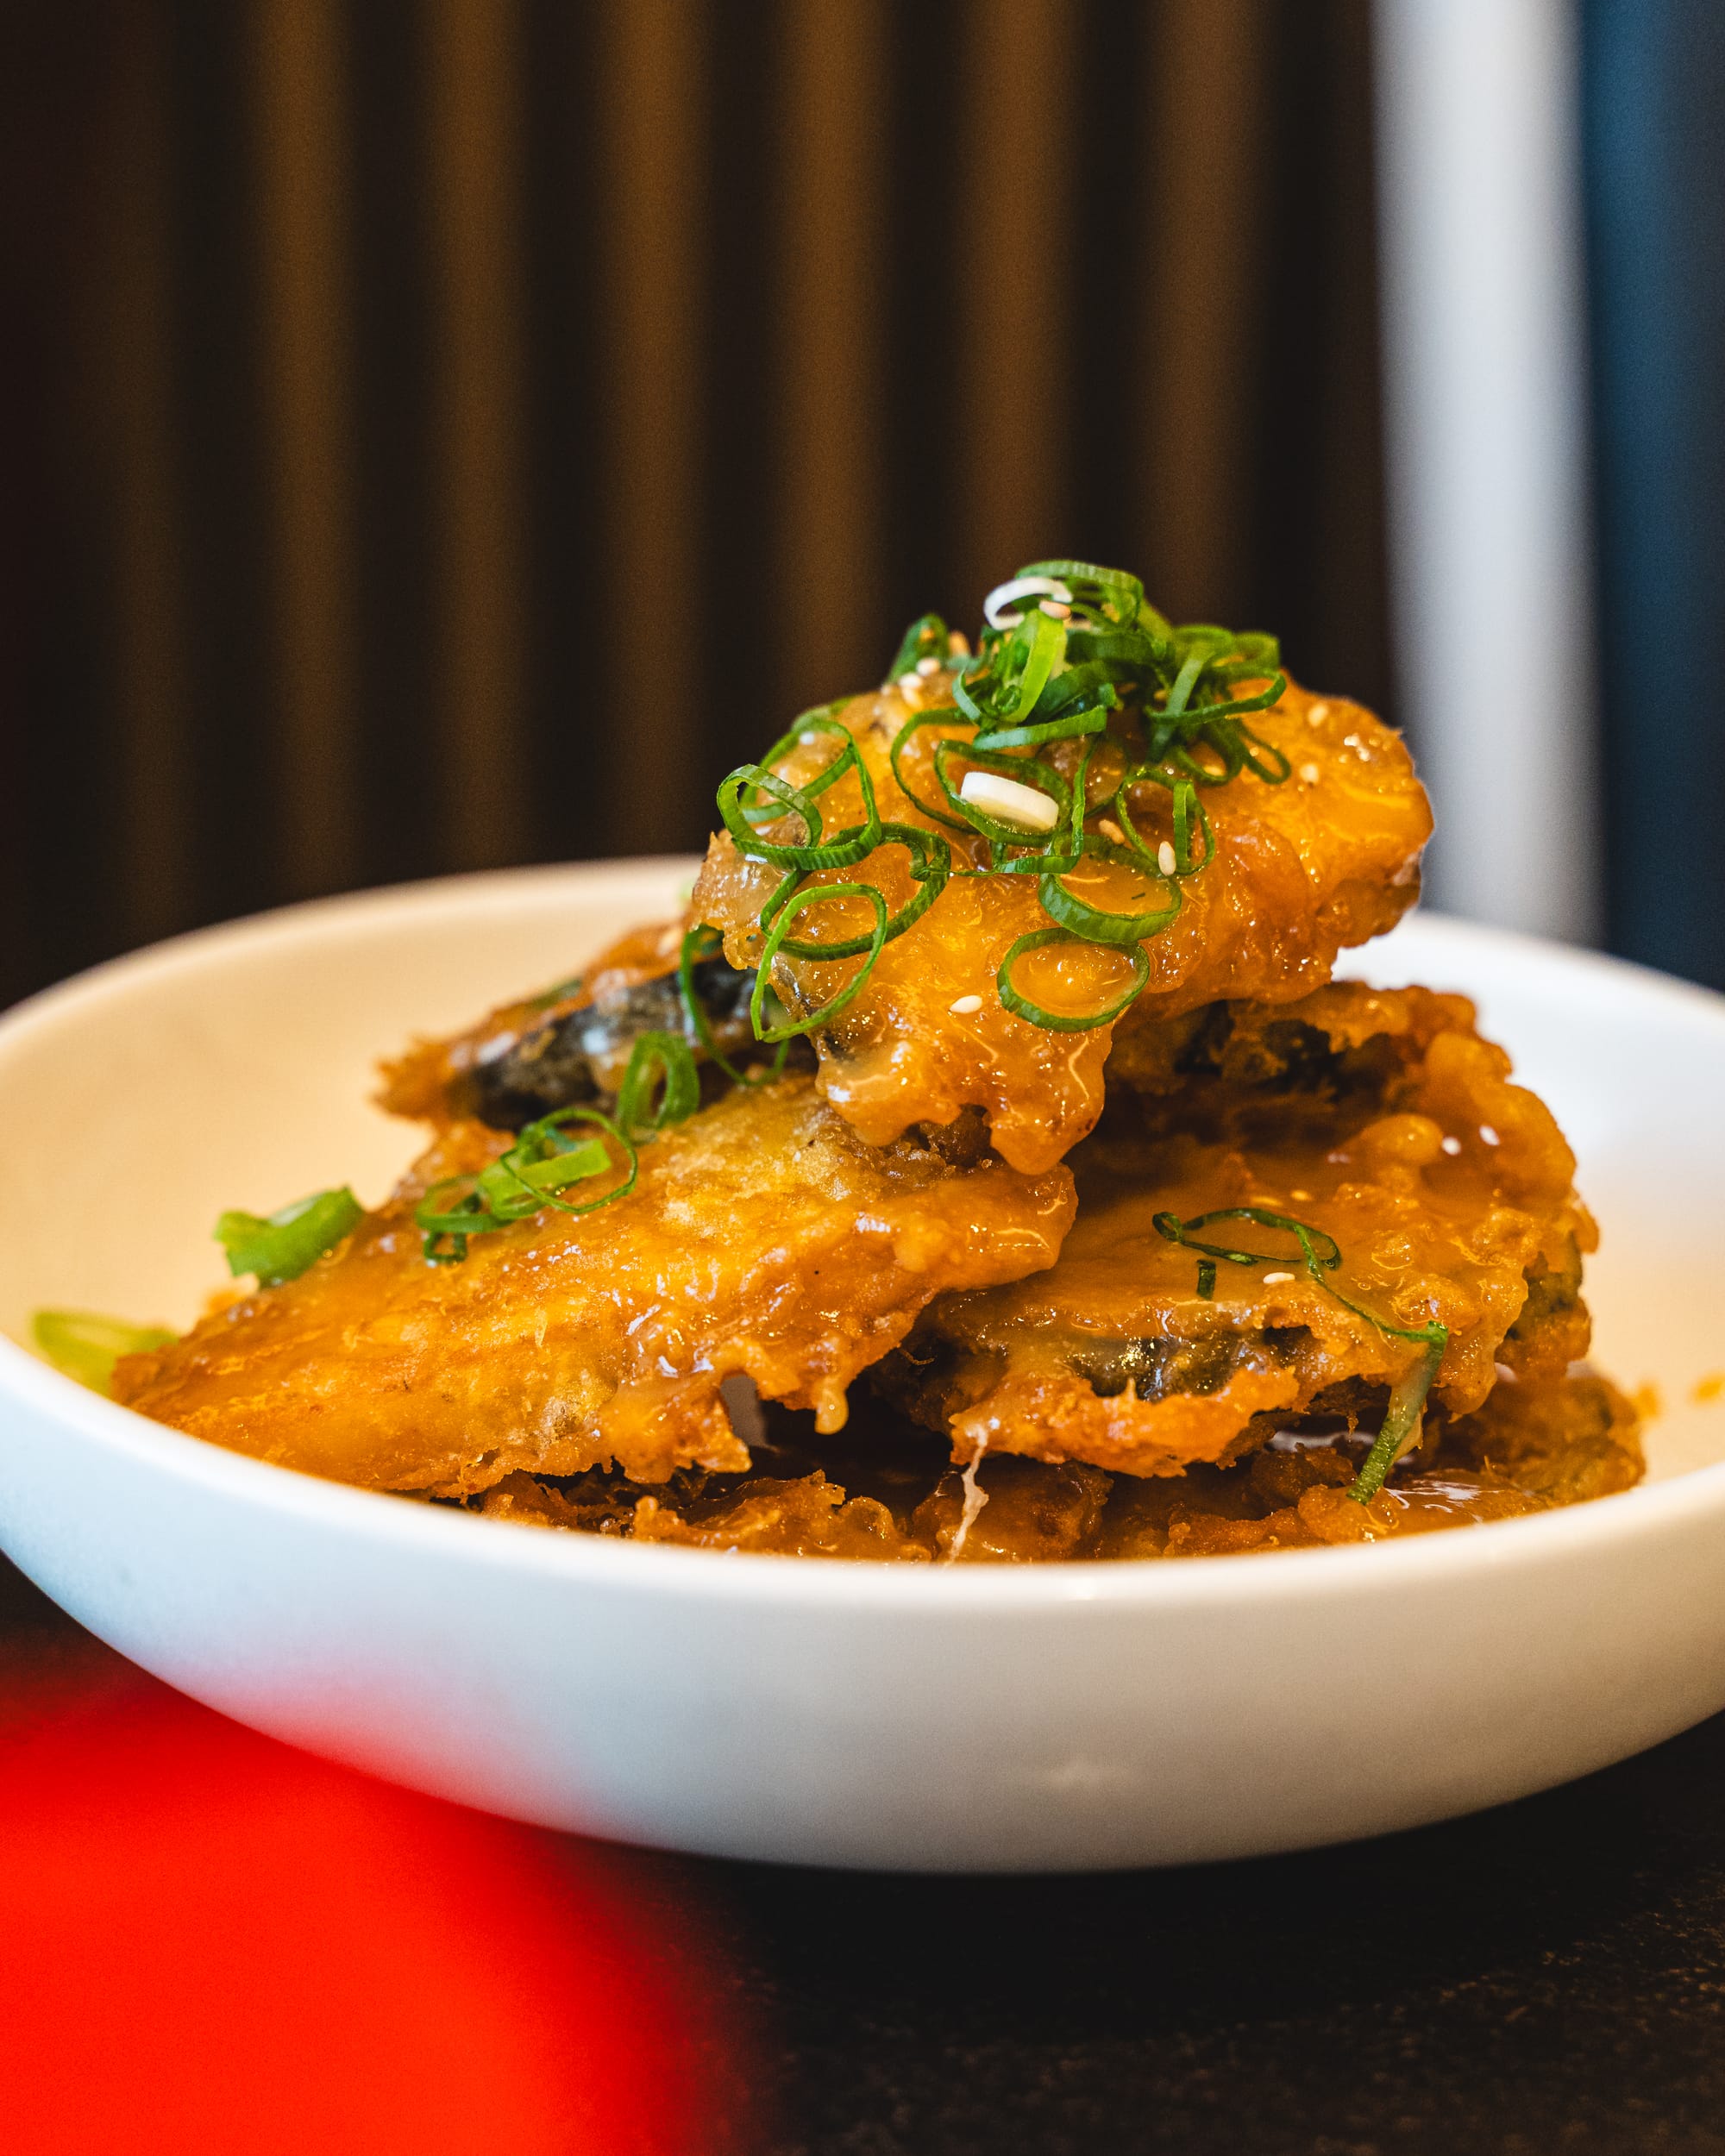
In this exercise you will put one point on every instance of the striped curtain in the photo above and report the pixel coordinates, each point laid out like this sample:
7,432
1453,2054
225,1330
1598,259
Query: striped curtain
450,433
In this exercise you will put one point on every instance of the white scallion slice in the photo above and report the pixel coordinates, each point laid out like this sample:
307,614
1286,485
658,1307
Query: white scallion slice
1028,806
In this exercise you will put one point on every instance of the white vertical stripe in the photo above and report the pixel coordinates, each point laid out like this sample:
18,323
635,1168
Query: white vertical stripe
1479,205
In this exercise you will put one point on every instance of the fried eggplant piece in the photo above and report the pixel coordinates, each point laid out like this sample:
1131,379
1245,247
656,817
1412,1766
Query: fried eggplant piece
570,1045
1326,859
1376,1117
762,1238
888,1494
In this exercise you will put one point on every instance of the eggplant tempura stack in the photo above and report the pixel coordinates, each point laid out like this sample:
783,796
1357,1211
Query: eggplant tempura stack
994,1062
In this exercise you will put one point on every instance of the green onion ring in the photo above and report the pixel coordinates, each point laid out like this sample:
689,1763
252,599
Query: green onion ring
655,1055
925,638
931,865
944,717
823,718
775,937
1027,770
545,1133
1042,649
476,1212
1185,801
1053,1021
1251,763
695,1018
1068,726
1115,594
282,1245
843,851
1407,1400
1093,923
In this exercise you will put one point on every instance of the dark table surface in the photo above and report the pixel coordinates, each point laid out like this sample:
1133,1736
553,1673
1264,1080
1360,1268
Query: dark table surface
1547,1976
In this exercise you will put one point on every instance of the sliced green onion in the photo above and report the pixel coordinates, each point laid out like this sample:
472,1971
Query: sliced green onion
1407,1400
1025,769
925,638
1056,1021
1186,805
843,851
1269,776
1109,595
794,905
1207,1277
822,719
944,717
1401,1420
543,1159
1093,923
701,942
280,1246
654,1057
84,1344
1085,643
1074,719
1014,673
931,865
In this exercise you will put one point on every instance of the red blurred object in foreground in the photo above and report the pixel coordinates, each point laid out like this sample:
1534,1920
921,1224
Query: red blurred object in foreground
209,1942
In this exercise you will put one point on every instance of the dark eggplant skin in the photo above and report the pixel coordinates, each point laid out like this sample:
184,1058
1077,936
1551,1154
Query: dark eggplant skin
578,1059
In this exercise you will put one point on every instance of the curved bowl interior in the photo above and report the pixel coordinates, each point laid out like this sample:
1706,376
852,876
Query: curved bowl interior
1039,1718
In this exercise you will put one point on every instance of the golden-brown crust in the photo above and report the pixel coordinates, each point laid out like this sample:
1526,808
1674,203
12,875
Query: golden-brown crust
762,1238
1329,859
1563,1441
1377,1117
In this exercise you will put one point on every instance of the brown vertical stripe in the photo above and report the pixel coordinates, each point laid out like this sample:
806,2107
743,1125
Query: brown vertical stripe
1009,309
1206,113
475,158
832,188
156,854
303,200
647,424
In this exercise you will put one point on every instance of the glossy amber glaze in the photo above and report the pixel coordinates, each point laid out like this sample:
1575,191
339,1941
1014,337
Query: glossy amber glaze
1326,859
1379,1118
889,1497
763,1237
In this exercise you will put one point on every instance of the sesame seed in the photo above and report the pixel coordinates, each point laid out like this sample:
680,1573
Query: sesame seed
1452,1146
1300,1197
1110,829
1277,1280
1316,714
925,666
1308,774
963,1006
1025,805
1165,858
1488,1135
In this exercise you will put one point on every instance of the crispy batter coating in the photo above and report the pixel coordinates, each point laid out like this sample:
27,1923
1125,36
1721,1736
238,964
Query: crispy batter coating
569,1043
1327,859
1378,1116
1533,1447
762,1238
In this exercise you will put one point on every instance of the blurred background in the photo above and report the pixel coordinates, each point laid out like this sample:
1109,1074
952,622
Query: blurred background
441,434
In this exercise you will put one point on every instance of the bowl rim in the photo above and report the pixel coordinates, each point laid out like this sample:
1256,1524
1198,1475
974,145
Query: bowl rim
745,1577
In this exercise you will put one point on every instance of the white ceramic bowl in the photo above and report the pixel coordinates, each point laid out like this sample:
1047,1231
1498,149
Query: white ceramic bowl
1060,1718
